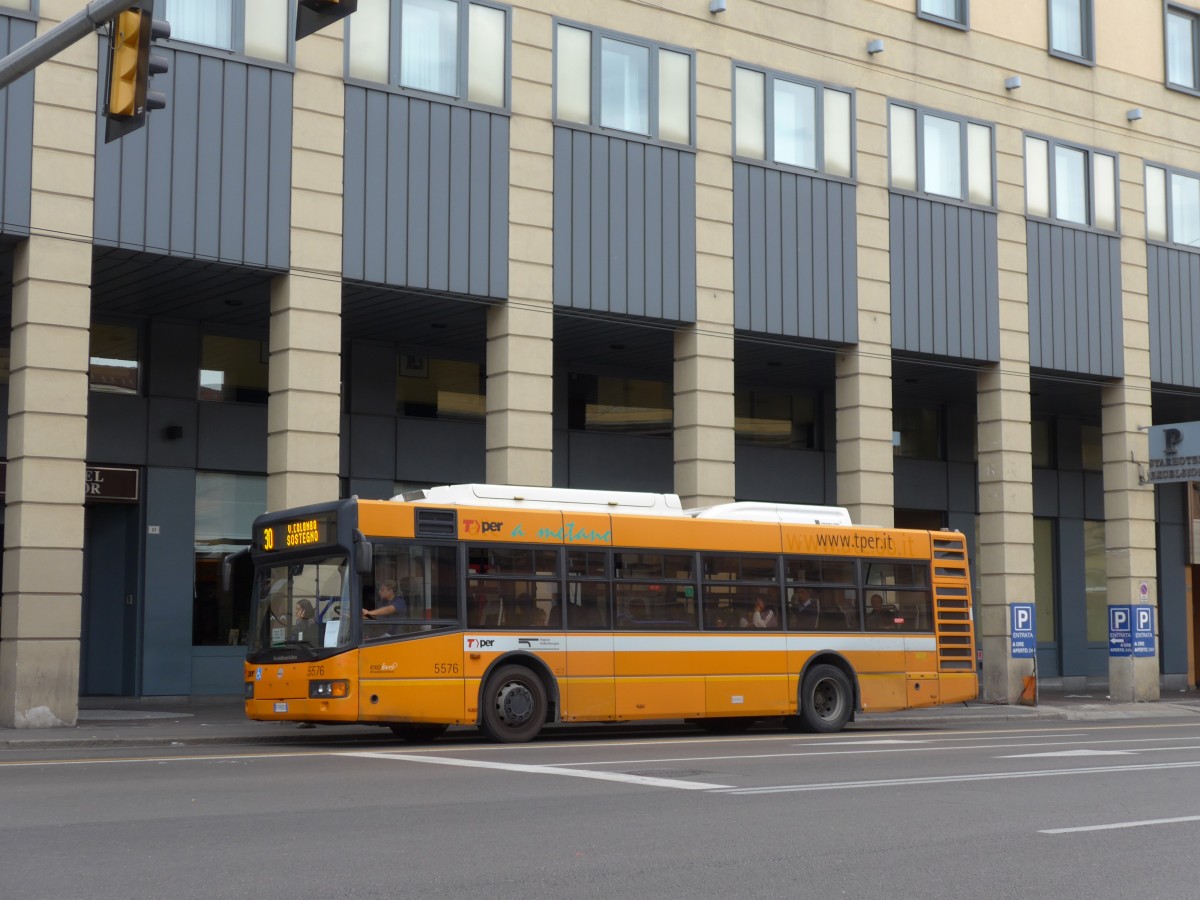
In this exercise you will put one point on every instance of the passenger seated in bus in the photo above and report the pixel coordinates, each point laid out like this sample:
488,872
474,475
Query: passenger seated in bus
536,618
554,619
880,616
305,624
802,610
764,615
522,612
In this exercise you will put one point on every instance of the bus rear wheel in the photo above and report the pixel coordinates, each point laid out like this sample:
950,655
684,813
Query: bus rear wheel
826,700
514,705
418,732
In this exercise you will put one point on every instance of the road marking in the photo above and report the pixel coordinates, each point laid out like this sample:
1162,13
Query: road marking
1117,825
1078,753
957,779
95,761
544,770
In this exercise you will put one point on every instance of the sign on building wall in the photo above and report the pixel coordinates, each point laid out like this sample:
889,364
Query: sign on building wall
104,484
1024,640
1120,631
1143,631
1174,453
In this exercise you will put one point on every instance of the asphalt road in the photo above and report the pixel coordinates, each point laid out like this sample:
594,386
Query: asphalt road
1052,809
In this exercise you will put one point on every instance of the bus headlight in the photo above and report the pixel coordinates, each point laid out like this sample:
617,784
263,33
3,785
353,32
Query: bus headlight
324,690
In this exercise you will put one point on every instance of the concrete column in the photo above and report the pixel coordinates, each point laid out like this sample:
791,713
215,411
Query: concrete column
1129,539
863,392
48,397
304,406
1005,441
704,419
520,332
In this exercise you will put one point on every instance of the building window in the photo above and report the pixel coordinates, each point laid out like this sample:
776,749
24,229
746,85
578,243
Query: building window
259,28
1172,207
1071,30
947,12
619,405
1072,184
440,389
449,47
1095,585
776,419
619,83
1042,433
1091,445
1045,577
793,122
917,431
113,359
1182,56
233,369
226,506
941,155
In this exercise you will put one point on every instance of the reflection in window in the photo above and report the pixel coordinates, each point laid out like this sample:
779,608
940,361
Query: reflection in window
953,157
1095,582
303,604
810,123
624,86
1181,49
917,432
1070,184
113,359
619,405
776,419
950,10
943,157
1092,445
429,45
1085,183
428,388
1070,28
233,369
226,506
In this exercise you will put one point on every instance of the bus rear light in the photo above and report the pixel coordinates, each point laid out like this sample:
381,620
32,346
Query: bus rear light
326,689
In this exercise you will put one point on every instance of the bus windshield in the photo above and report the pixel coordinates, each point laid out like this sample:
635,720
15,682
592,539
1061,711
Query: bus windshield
301,606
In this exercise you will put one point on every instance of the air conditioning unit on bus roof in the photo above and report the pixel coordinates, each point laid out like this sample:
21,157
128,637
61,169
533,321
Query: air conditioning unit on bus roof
529,497
784,513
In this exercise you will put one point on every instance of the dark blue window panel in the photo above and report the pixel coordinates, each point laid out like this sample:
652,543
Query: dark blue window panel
795,255
1075,301
624,227
426,194
209,177
945,279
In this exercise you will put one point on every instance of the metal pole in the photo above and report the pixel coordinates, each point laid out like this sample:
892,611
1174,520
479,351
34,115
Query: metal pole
28,57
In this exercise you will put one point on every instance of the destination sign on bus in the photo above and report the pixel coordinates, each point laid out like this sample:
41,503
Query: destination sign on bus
293,535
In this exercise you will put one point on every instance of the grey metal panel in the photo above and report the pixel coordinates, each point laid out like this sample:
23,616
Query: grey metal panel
1171,541
372,446
426,194
596,460
111,422
207,177
779,475
1074,300
217,421
441,452
944,262
1173,279
794,272
167,616
16,145
624,226
921,484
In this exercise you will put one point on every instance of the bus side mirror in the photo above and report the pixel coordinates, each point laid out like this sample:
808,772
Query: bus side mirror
227,565
364,555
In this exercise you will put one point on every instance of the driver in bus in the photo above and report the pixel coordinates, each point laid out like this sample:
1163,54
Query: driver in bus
388,603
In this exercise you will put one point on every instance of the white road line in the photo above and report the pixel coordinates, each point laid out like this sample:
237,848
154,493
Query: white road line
100,761
1116,825
957,779
544,770
1061,753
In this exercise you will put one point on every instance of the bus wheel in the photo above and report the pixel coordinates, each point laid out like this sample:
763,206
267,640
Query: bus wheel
825,699
726,724
514,705
418,732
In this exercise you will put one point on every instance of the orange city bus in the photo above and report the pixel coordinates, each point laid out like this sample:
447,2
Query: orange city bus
513,607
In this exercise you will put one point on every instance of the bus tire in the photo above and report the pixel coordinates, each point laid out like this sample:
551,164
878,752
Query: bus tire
826,700
418,732
514,705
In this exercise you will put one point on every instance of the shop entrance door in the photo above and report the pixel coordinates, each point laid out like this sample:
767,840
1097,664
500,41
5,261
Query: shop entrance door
108,648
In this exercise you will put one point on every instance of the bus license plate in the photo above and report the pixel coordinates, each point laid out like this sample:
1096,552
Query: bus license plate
281,707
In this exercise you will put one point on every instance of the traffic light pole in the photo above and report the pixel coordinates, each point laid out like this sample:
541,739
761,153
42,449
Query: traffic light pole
28,57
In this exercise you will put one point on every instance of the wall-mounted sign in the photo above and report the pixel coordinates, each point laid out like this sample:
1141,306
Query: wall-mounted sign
1174,453
101,484
1143,631
1120,631
1024,640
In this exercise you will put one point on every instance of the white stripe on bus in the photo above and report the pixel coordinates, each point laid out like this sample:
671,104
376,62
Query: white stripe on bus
655,643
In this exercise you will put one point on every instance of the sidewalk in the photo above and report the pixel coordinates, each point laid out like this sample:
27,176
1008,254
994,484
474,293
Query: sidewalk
195,721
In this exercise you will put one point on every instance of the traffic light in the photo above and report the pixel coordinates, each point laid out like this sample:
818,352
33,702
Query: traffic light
130,66
313,15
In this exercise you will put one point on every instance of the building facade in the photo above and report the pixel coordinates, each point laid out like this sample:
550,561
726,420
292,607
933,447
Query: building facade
937,261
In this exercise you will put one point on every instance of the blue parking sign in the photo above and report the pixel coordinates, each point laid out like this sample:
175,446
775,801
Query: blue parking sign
1120,631
1024,641
1143,631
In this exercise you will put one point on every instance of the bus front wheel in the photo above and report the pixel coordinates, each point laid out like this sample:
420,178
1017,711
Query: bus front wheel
826,700
514,705
418,732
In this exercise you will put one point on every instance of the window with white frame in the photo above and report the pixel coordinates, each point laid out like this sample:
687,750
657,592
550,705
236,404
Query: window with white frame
941,155
1069,183
948,12
1173,206
1182,40
451,47
793,122
624,84
1071,29
258,28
